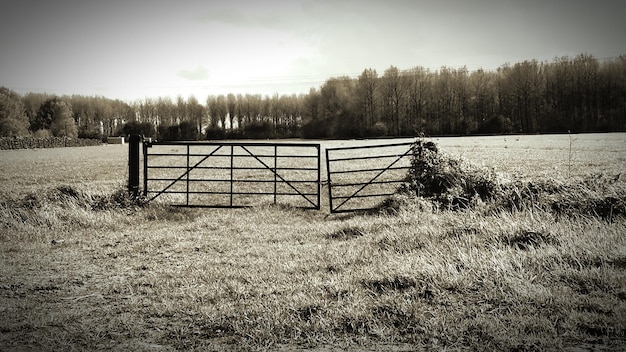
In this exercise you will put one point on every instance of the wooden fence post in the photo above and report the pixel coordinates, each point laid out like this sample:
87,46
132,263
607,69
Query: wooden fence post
133,164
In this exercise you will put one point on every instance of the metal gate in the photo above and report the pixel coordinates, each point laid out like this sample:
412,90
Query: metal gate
360,178
229,175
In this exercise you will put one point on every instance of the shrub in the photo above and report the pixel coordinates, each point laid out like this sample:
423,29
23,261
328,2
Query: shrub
86,133
378,130
258,130
143,128
318,128
452,184
42,134
449,182
188,131
214,133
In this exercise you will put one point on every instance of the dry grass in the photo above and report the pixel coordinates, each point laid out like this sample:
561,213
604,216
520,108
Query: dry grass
83,268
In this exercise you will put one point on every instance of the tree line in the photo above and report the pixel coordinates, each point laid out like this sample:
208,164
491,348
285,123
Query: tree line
580,94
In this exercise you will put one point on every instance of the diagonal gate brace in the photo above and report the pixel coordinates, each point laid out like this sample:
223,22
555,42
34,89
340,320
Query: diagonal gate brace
372,180
279,176
186,173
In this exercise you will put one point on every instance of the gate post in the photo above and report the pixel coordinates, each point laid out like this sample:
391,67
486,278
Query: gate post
133,164
146,145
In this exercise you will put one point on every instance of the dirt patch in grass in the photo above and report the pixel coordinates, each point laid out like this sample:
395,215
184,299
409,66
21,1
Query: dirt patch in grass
385,285
524,240
346,233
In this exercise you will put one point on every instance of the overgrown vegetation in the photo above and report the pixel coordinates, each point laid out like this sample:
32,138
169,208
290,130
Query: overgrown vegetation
454,184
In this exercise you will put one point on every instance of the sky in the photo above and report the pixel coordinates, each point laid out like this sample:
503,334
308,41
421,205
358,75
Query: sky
136,49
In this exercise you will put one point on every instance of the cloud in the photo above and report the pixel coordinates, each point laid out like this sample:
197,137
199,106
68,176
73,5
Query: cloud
197,74
263,14
223,15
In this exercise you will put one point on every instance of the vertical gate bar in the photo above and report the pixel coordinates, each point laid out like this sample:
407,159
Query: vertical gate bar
330,186
275,176
145,169
319,179
188,171
231,174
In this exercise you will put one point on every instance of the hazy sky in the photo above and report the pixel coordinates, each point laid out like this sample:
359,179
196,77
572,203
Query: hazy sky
133,49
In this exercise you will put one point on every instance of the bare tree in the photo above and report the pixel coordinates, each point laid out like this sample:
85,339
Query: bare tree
231,106
393,90
366,91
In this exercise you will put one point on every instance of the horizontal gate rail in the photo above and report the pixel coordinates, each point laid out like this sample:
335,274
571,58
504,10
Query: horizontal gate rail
198,171
234,168
367,183
234,155
242,193
221,180
366,170
354,195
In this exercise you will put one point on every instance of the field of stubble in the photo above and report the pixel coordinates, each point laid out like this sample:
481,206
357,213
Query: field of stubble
85,268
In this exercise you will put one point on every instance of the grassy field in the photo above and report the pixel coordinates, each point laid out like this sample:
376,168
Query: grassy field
84,268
